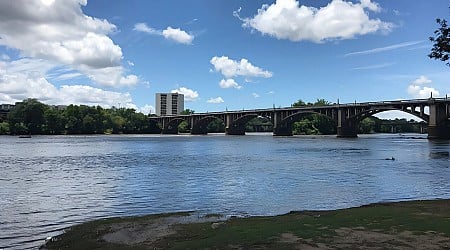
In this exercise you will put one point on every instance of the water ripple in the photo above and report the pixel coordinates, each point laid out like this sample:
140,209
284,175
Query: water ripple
65,180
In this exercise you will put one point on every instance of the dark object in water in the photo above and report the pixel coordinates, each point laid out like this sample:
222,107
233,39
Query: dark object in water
390,159
24,136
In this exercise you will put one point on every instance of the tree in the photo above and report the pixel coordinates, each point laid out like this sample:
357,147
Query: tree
299,103
54,121
187,112
27,117
4,128
441,42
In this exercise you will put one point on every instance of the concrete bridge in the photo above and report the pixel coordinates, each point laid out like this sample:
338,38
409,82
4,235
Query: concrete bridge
434,111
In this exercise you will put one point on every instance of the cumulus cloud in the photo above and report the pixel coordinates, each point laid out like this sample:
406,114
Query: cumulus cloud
421,81
229,83
215,100
189,94
174,34
178,35
143,27
417,89
27,78
147,109
60,32
286,19
231,68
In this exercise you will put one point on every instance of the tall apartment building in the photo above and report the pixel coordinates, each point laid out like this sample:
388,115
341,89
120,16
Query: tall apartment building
169,103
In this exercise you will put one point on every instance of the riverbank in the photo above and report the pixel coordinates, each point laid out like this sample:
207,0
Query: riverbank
400,225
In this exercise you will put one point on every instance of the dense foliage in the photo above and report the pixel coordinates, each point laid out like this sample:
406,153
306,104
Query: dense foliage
33,117
441,42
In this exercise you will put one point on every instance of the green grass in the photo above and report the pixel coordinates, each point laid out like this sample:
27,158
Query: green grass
418,217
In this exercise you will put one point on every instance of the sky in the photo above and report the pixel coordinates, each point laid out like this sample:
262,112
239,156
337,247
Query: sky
221,54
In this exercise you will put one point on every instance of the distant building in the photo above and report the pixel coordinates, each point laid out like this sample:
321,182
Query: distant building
169,104
4,110
7,107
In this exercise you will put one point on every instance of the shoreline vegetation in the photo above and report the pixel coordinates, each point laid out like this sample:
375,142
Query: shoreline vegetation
396,225
31,117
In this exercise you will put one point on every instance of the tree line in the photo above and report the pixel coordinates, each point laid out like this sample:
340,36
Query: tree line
33,117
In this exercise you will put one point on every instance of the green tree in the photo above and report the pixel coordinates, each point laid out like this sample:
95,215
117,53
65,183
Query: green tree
4,128
367,126
187,112
54,121
184,127
27,117
299,103
441,42
216,126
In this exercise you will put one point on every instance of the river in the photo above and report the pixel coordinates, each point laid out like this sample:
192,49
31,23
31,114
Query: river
48,183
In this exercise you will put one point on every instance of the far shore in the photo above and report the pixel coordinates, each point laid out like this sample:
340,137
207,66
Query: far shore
397,225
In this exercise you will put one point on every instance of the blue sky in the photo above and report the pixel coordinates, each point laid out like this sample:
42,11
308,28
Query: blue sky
222,54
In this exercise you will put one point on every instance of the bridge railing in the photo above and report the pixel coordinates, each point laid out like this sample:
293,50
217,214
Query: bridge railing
333,105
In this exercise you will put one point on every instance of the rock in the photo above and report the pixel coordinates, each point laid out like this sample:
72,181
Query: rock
216,225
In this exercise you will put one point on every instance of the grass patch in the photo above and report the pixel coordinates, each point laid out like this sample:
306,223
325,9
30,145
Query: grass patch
308,227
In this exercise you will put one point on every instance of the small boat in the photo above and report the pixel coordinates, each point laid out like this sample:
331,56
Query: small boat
24,136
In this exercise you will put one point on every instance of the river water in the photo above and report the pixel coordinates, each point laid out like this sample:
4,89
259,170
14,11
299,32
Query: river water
48,183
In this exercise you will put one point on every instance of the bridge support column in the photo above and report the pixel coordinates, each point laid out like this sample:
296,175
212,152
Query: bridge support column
198,127
280,128
232,128
170,130
346,127
439,123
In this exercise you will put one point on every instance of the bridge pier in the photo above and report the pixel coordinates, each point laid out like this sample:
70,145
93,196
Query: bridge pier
439,132
439,122
346,127
282,130
347,132
235,130
169,130
198,126
280,126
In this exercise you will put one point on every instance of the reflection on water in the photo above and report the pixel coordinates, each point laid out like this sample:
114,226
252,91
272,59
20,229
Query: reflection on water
50,183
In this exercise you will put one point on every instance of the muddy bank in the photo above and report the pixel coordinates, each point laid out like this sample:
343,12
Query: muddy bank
401,225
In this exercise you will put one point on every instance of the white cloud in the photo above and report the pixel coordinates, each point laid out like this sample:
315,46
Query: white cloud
386,48
230,68
229,83
286,19
215,100
147,109
60,32
143,27
130,63
255,95
189,94
177,35
27,78
421,80
375,66
417,90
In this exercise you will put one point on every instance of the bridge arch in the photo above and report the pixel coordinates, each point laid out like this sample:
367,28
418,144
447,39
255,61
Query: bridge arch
236,126
171,127
200,126
285,126
370,112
